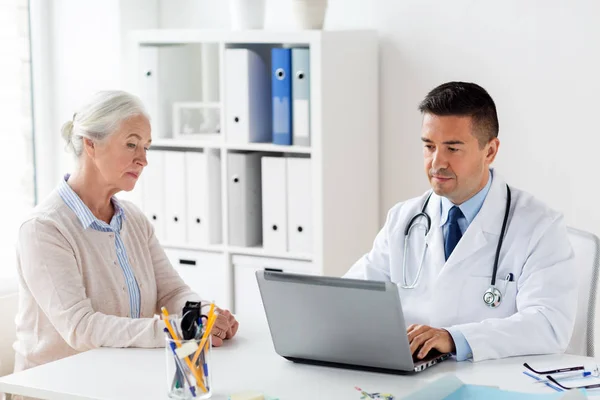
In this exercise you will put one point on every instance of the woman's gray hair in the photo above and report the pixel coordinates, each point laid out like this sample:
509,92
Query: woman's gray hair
100,117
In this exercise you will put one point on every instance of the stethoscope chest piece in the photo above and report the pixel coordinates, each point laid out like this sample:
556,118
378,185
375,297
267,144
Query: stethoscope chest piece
492,297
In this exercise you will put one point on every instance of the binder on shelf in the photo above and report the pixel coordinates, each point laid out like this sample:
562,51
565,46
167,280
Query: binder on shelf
153,192
149,88
274,203
204,208
299,194
244,199
247,97
281,86
174,193
301,96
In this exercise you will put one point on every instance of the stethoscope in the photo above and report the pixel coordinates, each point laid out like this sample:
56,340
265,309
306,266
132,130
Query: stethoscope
492,296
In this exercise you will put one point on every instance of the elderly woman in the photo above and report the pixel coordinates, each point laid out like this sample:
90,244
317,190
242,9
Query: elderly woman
92,273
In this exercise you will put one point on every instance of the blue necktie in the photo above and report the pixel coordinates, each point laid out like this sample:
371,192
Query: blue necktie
454,233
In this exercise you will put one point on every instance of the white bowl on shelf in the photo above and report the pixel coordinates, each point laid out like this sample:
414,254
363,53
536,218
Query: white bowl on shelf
309,14
247,14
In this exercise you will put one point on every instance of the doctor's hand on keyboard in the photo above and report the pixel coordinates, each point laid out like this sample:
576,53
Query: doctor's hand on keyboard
423,339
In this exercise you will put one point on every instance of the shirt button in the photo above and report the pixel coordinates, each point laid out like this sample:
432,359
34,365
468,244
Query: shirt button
114,262
118,250
123,288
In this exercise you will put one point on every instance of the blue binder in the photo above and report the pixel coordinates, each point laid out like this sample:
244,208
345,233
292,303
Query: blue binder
281,67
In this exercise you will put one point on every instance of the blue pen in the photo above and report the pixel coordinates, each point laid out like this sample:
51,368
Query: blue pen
179,365
540,380
568,377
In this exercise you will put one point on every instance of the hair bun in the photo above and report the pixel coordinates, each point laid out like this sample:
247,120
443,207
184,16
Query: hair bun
67,131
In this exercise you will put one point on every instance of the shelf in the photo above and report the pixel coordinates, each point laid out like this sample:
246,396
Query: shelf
214,248
275,148
250,251
158,37
211,144
259,251
187,143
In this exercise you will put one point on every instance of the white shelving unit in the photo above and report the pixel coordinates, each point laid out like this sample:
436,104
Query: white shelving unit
187,65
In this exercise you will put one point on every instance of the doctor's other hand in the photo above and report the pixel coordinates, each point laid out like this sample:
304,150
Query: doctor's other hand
424,338
226,326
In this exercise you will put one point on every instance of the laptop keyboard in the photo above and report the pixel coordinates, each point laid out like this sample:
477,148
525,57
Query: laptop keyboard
433,353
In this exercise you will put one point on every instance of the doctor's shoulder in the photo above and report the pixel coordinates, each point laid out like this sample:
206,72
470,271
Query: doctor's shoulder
536,217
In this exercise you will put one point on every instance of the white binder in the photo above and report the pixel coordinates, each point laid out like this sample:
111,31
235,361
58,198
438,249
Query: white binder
299,194
204,209
274,204
301,96
149,88
247,97
153,189
174,193
244,199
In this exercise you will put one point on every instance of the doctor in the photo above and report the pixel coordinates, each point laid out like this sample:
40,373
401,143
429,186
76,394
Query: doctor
484,269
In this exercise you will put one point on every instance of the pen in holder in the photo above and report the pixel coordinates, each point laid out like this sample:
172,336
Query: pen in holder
188,363
183,382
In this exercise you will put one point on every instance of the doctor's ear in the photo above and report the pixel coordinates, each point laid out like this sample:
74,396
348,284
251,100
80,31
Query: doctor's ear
492,150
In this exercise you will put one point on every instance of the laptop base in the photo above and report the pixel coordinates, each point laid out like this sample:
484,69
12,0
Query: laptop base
419,367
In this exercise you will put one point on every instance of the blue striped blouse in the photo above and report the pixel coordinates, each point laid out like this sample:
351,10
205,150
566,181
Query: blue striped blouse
88,220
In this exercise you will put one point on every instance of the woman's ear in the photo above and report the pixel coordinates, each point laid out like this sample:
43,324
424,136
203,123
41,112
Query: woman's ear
89,147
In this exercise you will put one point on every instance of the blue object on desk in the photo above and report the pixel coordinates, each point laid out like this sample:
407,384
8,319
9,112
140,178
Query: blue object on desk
450,387
537,378
471,392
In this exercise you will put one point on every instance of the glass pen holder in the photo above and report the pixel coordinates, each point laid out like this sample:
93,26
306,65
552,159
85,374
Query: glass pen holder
188,369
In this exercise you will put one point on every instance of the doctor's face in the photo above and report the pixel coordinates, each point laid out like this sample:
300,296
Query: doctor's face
456,164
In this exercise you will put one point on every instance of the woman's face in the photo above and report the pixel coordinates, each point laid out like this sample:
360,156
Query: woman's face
121,158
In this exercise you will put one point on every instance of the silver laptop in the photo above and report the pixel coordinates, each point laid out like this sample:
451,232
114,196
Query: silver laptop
339,322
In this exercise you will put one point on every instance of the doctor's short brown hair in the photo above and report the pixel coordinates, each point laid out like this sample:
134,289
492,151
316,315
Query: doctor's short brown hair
465,99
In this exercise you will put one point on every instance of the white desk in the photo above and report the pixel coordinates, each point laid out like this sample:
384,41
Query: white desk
249,362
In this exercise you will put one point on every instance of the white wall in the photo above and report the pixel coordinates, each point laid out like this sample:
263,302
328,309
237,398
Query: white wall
537,58
78,49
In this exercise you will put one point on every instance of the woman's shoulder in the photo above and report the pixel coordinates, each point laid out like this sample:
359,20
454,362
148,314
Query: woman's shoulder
51,210
49,217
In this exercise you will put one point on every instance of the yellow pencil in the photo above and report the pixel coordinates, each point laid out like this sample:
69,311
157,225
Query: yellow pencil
178,344
209,326
211,311
210,314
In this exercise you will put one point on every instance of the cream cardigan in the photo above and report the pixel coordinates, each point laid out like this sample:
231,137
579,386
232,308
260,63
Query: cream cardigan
72,292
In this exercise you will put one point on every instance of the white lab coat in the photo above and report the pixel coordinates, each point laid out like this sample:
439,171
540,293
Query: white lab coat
537,312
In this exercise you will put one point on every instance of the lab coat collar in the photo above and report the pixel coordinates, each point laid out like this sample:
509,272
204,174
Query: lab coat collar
488,221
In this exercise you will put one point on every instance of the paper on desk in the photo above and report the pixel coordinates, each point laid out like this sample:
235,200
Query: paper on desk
452,388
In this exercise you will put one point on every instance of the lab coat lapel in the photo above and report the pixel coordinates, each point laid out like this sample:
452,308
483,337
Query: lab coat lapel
488,220
435,237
